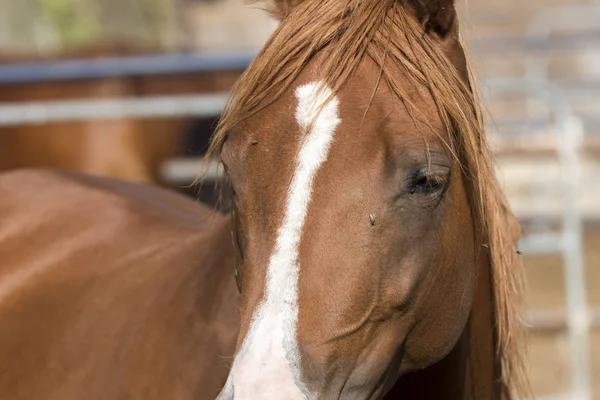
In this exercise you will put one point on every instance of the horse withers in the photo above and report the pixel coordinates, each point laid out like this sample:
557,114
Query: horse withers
373,250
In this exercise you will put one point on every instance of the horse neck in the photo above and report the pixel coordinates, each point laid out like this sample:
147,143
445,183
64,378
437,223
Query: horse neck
470,371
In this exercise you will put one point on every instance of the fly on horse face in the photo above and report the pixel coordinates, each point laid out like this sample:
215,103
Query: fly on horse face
373,250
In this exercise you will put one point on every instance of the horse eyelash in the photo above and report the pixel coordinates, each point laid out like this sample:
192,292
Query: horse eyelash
426,178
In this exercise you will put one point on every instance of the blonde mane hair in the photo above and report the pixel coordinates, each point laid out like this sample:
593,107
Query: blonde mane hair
388,32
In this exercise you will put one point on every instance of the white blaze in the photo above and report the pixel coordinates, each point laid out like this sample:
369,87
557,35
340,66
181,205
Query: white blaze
267,365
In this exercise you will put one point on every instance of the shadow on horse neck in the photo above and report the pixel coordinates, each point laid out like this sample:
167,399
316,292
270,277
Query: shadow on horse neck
376,253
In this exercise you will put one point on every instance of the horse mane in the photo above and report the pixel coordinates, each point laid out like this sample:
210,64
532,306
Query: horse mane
389,33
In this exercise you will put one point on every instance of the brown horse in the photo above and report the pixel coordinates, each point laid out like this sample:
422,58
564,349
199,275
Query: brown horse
130,149
375,253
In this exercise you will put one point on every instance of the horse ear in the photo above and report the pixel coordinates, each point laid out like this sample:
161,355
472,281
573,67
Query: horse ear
436,15
282,8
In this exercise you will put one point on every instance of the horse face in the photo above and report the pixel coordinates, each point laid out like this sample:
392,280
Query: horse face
355,241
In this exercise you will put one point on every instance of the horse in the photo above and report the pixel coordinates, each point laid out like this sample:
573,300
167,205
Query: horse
369,252
376,253
129,149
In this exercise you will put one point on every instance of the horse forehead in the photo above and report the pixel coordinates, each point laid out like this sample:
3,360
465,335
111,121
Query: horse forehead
361,103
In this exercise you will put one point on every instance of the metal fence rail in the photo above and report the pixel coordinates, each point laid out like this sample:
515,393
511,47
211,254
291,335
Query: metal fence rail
179,63
182,171
209,105
106,67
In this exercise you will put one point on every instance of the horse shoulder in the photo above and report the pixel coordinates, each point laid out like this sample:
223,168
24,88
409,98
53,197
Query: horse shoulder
106,290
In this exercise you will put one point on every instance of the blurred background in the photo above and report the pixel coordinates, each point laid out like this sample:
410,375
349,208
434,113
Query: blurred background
132,89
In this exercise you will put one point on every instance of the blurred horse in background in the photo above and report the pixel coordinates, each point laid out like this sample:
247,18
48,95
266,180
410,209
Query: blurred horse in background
127,148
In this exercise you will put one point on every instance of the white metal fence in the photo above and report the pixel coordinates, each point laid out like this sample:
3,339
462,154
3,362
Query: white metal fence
569,124
565,241
208,105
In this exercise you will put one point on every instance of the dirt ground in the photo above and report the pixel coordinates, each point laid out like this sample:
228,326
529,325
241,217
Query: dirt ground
548,351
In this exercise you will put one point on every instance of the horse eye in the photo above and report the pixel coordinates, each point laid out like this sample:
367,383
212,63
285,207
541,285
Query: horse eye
428,183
